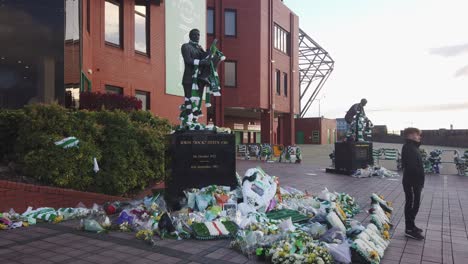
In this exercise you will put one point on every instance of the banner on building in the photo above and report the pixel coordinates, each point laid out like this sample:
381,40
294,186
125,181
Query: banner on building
181,17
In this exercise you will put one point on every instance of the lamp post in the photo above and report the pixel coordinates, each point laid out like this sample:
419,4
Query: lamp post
319,101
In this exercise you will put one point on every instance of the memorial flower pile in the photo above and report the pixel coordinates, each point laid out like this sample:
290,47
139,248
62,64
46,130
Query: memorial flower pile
12,220
264,220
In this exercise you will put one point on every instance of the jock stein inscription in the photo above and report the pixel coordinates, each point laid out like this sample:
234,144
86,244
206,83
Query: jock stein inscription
199,159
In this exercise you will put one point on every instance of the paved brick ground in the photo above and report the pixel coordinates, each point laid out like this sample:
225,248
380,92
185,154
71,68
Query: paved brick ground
443,211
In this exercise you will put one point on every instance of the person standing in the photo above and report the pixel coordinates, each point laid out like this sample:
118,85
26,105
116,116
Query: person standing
413,180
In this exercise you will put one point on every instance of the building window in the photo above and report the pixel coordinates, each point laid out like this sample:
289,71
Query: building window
230,23
285,84
88,16
144,97
281,39
141,26
210,21
110,89
230,74
113,22
278,82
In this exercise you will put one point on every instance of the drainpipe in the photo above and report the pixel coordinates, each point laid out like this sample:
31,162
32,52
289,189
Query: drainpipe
80,21
270,70
292,73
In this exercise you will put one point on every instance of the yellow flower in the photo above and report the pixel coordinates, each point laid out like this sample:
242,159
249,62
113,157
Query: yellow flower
58,219
388,214
341,212
3,227
25,224
386,235
389,204
373,254
386,226
381,197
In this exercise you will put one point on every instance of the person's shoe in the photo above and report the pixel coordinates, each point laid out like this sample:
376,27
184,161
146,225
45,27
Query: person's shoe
414,234
419,230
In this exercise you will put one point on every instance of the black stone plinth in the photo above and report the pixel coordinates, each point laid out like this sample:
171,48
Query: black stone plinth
350,156
199,159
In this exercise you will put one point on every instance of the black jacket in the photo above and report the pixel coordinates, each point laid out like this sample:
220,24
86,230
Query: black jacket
412,163
191,52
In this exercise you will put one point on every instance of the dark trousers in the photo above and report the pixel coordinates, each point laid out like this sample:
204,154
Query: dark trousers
413,200
188,89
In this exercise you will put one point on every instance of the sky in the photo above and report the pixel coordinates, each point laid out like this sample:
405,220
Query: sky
408,58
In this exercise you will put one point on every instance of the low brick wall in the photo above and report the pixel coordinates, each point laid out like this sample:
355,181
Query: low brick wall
21,195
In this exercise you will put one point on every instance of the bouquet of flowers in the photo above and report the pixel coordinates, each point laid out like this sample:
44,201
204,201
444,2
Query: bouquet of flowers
348,204
365,251
335,221
73,213
306,205
147,236
299,247
387,206
369,241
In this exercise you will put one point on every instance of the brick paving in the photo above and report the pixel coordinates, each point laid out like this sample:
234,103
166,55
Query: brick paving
443,214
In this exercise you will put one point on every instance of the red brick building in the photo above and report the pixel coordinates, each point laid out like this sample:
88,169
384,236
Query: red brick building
315,130
260,78
116,65
120,46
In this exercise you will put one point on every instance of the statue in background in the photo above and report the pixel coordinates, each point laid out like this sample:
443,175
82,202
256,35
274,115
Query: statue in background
359,126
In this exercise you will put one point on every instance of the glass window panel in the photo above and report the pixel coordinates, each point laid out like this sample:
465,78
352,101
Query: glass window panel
230,23
112,22
144,97
282,40
140,9
230,73
110,89
285,85
210,21
276,36
278,82
140,29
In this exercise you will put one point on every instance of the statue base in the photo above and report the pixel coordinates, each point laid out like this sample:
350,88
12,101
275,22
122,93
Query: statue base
200,159
350,156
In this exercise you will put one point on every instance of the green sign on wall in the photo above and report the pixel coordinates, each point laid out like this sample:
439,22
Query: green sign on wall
181,17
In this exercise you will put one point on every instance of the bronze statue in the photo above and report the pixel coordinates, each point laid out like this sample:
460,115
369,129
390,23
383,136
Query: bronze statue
354,110
200,72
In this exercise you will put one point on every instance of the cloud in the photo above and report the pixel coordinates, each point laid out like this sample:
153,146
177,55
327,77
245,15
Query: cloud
462,72
424,108
450,51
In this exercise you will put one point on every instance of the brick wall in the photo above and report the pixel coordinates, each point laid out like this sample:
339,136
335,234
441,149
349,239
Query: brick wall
105,64
20,195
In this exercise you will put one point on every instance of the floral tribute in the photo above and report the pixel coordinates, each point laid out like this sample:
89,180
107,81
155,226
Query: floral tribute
264,220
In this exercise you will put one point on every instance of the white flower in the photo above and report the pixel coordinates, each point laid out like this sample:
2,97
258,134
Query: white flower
320,260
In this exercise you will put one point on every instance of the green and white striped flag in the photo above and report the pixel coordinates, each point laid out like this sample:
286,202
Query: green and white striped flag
68,142
43,213
391,154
